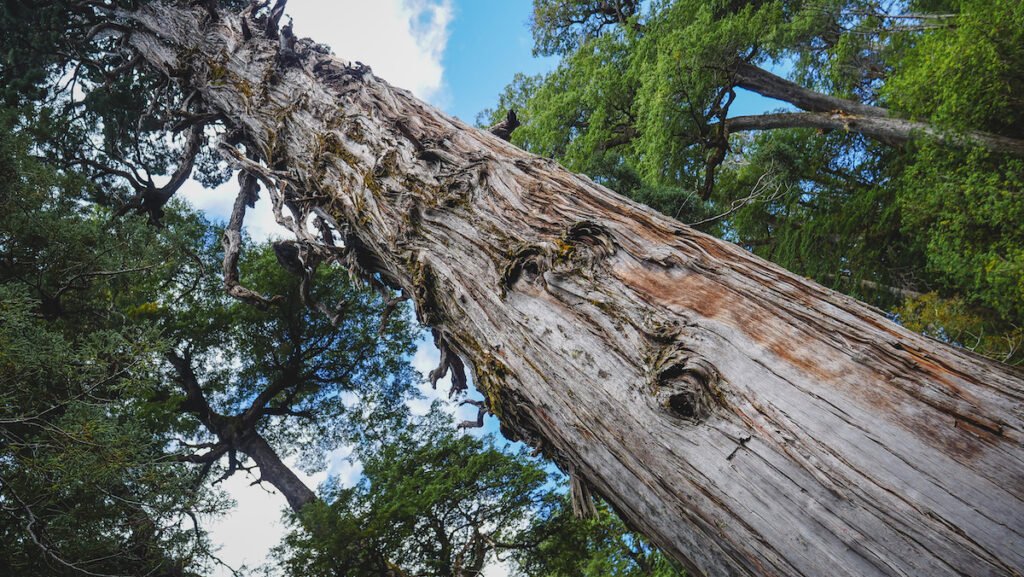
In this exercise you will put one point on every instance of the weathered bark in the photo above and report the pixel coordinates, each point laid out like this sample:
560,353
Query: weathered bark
749,421
831,113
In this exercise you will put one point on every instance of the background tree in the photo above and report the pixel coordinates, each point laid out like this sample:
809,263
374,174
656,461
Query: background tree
435,502
122,367
591,547
269,383
86,486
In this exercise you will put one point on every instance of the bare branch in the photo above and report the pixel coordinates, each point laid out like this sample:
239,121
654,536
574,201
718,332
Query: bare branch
151,199
481,411
232,241
504,129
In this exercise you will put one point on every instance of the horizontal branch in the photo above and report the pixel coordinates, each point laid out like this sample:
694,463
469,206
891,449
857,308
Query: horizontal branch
765,83
894,131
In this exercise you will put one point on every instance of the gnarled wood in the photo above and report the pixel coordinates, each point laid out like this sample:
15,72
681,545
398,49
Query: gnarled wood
749,421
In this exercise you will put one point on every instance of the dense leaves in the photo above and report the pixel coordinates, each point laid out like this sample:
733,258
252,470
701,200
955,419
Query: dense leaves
435,502
85,481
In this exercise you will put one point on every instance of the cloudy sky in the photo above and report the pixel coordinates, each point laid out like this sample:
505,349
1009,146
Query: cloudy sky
455,54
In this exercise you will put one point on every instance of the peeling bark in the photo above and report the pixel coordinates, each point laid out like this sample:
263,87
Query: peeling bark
749,421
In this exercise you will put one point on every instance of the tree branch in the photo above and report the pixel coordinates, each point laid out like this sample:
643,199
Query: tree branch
892,131
151,199
765,83
232,241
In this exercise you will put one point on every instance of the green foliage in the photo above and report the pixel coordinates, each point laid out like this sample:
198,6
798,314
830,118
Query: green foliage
559,26
240,351
84,476
94,425
968,209
431,502
954,321
597,547
967,73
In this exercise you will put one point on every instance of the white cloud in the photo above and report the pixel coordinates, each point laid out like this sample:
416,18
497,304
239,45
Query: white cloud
402,40
343,467
247,533
216,204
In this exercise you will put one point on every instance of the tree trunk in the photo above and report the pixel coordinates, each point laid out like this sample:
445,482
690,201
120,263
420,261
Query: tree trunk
274,471
749,421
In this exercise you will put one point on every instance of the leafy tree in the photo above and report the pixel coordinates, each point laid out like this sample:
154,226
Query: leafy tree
432,501
125,367
254,378
85,483
593,547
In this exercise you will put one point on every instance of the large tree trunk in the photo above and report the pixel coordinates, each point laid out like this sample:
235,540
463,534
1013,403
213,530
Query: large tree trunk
751,422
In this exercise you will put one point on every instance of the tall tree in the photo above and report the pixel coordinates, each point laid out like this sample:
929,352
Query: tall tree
261,384
710,396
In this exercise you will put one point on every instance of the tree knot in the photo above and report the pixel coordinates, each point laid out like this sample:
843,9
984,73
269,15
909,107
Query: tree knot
683,382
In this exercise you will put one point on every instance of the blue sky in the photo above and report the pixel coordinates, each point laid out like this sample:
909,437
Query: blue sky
490,41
